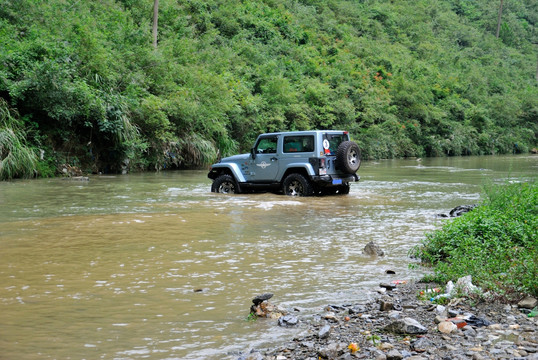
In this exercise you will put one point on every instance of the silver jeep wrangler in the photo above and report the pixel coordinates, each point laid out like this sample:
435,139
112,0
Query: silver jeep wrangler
299,163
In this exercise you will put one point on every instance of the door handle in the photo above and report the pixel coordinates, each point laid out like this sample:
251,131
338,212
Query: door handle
274,159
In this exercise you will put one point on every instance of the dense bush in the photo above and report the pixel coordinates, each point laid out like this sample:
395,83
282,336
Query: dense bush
496,243
421,78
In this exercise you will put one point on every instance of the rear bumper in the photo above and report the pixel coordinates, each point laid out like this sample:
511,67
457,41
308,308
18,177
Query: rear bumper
334,180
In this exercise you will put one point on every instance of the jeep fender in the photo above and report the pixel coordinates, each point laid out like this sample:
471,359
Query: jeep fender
231,168
309,170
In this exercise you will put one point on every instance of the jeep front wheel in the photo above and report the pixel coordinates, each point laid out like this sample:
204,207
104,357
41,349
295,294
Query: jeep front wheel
297,185
348,156
225,184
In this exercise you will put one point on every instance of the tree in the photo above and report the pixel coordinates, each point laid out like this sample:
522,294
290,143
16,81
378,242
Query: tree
498,18
156,21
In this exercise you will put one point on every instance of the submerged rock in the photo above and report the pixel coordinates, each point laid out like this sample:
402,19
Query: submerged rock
457,211
461,209
373,249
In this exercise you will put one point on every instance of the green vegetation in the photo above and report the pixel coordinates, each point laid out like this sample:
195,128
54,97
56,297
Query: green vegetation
407,78
496,243
16,158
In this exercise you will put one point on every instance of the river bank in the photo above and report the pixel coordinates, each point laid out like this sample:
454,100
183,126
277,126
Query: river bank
399,325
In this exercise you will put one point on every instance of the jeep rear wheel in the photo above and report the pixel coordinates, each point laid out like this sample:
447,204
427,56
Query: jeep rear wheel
348,156
225,184
297,185
343,189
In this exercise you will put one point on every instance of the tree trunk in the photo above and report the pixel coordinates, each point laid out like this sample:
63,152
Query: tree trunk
499,19
155,22
537,69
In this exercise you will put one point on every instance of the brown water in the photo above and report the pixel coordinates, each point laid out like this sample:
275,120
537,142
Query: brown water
111,268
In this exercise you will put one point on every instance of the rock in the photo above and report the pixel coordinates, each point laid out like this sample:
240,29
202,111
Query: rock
385,305
528,303
287,321
332,351
394,355
461,209
393,314
421,345
260,298
388,286
358,309
469,332
324,332
373,249
385,346
267,310
446,327
406,326
330,316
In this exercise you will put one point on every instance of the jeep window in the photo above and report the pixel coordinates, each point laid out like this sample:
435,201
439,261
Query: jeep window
267,145
298,144
335,141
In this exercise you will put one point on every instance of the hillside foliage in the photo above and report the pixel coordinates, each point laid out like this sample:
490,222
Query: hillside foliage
84,83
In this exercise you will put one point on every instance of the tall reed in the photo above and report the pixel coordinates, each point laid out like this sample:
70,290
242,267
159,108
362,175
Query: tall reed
17,159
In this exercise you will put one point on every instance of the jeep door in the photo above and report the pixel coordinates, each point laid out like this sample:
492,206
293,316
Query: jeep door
264,166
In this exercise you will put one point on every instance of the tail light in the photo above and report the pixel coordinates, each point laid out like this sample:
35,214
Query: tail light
322,166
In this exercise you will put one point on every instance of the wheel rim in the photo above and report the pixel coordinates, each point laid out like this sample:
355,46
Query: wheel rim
227,187
352,158
295,188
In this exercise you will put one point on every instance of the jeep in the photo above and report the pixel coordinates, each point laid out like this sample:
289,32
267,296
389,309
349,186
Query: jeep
298,163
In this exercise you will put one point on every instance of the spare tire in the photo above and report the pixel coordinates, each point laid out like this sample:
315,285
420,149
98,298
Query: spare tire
348,156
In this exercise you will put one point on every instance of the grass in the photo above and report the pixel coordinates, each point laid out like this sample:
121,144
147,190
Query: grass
16,159
496,243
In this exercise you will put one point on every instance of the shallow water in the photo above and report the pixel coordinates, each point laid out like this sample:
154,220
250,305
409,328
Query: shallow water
155,266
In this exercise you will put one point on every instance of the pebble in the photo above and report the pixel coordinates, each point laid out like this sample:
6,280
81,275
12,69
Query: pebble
324,332
446,327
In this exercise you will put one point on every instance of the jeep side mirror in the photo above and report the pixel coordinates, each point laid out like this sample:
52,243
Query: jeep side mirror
253,153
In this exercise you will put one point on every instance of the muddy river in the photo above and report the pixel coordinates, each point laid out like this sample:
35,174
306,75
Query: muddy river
154,266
